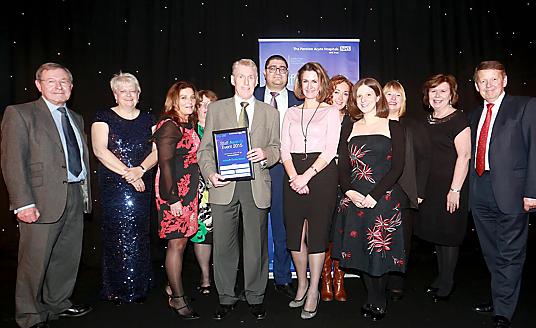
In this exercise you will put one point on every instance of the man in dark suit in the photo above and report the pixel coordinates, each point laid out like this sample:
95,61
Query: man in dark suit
503,185
45,165
252,197
277,95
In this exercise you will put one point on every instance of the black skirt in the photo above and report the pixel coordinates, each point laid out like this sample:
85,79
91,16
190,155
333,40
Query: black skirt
317,206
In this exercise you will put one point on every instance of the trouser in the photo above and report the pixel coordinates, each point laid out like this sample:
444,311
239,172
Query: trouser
49,255
226,248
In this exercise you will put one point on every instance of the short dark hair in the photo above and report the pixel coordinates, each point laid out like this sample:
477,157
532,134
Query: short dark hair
272,57
436,80
382,110
322,81
489,64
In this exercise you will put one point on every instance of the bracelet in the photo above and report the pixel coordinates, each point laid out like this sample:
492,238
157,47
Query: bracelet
455,190
142,168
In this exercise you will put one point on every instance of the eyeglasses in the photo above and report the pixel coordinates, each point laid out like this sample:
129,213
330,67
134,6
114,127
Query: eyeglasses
51,83
281,69
205,104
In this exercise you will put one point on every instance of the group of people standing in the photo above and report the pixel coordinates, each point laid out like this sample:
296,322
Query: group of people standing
344,175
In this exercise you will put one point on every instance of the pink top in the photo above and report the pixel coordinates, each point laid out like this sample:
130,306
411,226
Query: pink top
322,135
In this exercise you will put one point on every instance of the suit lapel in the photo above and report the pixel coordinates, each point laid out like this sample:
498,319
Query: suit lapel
258,117
47,122
500,119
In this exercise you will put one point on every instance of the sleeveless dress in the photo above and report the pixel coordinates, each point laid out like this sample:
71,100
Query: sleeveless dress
370,239
177,178
435,223
125,212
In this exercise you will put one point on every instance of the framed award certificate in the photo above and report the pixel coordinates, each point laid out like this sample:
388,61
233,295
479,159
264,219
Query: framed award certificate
230,149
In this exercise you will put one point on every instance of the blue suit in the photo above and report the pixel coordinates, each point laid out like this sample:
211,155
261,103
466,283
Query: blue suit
496,197
282,258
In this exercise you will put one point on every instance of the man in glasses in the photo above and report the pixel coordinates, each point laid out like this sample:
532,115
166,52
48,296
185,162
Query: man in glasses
277,95
45,163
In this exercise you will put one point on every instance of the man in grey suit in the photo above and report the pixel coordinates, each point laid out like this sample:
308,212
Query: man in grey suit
45,163
252,197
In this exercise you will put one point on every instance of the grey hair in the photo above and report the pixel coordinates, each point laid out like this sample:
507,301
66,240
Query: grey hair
245,62
124,78
52,66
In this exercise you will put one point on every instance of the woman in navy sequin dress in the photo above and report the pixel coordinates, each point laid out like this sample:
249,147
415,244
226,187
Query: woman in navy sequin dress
121,141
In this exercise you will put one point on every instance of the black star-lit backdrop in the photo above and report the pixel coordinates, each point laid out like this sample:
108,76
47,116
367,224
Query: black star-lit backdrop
163,41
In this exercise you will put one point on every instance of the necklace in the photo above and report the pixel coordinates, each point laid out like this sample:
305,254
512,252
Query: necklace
304,133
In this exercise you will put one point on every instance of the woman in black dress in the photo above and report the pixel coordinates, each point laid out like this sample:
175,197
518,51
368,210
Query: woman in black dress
443,213
333,287
309,139
369,226
176,185
413,178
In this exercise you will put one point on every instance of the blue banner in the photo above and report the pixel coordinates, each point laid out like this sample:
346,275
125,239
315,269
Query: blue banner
337,56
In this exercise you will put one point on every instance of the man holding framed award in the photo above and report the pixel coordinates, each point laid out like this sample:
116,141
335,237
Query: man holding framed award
235,127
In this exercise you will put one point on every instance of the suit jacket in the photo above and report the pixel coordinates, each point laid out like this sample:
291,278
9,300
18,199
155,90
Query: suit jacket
33,161
264,133
512,152
292,100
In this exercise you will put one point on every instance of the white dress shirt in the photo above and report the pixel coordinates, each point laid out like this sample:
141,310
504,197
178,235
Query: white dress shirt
250,110
282,103
494,111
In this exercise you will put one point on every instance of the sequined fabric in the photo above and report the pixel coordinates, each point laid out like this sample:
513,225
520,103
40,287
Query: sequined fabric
126,267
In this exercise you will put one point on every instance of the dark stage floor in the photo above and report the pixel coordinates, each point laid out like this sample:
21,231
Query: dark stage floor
415,310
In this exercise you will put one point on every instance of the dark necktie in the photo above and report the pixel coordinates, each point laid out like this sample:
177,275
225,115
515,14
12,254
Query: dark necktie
481,146
273,102
73,150
243,121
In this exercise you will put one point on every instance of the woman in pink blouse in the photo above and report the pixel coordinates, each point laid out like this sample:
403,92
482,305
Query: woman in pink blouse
309,140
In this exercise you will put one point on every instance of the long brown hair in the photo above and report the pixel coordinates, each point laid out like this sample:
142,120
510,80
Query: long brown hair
171,104
322,81
382,110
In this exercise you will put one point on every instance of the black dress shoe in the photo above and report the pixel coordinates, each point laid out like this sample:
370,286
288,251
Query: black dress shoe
43,324
223,311
500,322
287,290
485,308
258,311
76,311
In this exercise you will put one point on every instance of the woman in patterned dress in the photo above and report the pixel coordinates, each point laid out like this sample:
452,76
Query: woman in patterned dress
371,159
203,238
176,185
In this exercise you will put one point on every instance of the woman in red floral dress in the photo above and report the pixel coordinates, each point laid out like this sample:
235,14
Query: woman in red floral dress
176,185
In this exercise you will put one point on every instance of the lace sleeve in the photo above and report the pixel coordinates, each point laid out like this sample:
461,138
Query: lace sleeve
166,138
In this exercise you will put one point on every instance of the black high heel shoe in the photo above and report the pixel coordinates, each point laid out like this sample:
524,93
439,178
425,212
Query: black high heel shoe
191,315
442,298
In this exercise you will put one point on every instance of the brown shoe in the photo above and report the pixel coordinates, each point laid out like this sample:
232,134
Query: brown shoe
338,283
326,292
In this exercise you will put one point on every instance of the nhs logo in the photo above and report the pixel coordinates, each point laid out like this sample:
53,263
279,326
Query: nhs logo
345,48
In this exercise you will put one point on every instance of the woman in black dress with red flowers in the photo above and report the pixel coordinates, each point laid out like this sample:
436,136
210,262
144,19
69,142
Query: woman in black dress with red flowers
369,232
176,185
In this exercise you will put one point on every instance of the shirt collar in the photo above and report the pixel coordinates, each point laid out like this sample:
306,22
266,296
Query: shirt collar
497,103
282,92
238,100
51,106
